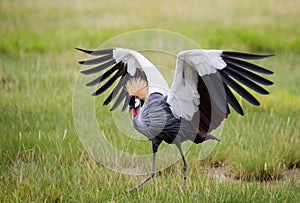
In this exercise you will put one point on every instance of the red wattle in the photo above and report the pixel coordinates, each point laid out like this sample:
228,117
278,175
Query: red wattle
134,112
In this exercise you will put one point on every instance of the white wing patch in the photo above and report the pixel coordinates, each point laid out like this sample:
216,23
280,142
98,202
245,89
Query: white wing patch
134,60
205,61
126,55
183,97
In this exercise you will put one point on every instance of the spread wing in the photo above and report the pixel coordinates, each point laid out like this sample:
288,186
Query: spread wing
117,66
203,84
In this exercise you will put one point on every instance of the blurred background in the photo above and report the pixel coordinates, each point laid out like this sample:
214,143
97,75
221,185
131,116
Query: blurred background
41,157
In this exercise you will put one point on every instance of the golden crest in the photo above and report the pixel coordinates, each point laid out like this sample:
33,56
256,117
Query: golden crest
137,87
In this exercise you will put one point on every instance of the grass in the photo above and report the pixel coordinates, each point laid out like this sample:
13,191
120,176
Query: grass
41,156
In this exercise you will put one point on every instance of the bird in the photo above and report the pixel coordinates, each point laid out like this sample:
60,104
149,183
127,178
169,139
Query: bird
199,99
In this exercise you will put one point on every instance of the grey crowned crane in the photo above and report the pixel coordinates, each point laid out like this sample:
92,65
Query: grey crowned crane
197,102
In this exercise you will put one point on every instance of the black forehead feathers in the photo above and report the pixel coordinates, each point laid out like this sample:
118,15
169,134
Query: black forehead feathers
132,101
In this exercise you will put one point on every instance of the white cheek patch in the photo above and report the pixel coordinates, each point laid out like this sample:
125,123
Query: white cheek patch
137,103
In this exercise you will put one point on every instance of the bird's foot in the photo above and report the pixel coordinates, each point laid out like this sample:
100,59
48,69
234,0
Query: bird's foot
132,190
141,183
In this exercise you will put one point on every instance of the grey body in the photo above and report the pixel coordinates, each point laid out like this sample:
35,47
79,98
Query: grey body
158,124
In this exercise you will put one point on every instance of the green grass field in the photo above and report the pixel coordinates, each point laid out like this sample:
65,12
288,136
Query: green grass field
41,156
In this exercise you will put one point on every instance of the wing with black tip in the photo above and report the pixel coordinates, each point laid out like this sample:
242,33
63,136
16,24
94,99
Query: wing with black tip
115,67
239,71
203,84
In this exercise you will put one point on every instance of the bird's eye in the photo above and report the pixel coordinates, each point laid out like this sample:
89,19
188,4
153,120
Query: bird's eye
137,103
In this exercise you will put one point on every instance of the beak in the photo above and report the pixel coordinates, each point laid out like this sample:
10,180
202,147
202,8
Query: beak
130,108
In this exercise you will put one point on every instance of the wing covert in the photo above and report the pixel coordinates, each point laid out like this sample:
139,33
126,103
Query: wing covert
116,67
204,80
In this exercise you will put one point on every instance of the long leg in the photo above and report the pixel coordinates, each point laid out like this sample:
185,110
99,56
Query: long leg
185,166
155,146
